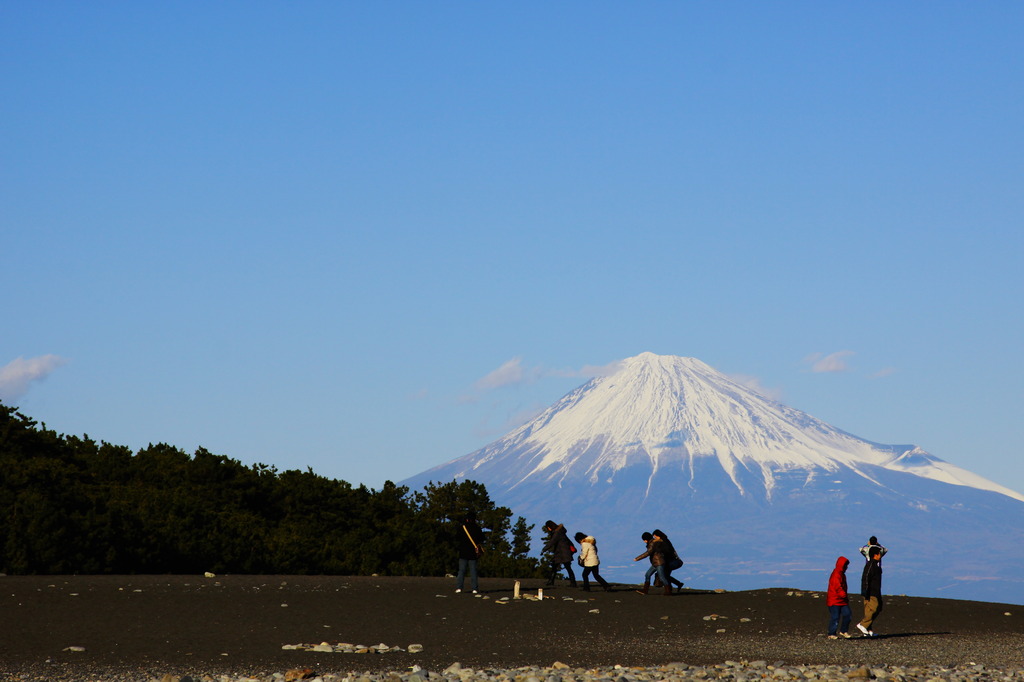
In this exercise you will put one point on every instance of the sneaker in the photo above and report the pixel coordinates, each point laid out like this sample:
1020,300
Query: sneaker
845,635
474,592
867,633
833,637
458,590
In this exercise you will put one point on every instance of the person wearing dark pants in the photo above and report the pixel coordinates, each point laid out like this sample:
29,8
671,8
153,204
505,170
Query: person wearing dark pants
561,550
590,562
470,544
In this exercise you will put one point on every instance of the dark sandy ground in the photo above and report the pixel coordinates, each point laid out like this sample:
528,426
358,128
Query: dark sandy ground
238,625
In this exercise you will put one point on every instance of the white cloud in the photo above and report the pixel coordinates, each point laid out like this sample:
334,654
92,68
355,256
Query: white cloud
754,384
512,421
833,362
18,375
589,371
513,373
509,373
884,372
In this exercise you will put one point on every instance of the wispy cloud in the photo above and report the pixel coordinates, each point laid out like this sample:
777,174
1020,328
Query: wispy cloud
513,420
884,372
510,373
17,376
833,362
587,371
513,373
754,384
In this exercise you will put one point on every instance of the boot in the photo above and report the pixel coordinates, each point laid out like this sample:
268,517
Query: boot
646,587
668,590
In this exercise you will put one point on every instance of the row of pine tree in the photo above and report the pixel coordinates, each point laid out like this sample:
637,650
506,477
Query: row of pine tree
71,505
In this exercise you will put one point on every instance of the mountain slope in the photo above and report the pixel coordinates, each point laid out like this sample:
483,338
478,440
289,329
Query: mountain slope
669,441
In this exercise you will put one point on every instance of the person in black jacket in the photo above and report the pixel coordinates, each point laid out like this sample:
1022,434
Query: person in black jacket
871,590
561,549
672,559
471,545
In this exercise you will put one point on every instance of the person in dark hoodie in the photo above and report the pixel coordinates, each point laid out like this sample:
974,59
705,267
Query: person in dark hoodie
871,590
471,546
838,601
561,551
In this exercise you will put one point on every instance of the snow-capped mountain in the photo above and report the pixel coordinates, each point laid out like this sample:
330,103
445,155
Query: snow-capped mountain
756,493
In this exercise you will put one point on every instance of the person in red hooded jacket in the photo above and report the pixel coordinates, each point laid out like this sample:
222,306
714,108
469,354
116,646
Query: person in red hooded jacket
838,601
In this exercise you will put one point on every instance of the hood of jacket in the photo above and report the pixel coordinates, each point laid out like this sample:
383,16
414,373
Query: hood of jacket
842,563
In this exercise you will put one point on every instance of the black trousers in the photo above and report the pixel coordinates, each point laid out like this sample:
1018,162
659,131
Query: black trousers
592,571
568,569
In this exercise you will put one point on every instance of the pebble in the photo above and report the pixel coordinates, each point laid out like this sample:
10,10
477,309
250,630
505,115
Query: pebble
346,648
558,671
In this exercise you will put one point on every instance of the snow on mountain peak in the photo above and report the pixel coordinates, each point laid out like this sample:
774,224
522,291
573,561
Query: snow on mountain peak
658,439
669,412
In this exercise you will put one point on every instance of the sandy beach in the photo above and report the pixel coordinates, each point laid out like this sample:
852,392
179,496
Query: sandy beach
143,627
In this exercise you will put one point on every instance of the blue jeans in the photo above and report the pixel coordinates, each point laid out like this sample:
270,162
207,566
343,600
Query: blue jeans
662,575
463,563
835,613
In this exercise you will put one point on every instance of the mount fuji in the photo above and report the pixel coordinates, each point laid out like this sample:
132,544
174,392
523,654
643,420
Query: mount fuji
753,493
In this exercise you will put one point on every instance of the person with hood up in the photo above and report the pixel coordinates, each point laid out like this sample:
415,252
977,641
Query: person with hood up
838,601
871,590
561,551
589,561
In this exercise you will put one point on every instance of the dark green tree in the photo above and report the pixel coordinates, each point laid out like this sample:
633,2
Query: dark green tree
69,504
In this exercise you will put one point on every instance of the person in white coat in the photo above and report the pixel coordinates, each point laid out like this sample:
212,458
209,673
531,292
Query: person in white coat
589,561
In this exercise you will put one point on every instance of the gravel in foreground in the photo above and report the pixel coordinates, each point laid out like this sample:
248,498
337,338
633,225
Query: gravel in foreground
735,671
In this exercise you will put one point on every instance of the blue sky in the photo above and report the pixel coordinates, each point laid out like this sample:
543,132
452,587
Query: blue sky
368,238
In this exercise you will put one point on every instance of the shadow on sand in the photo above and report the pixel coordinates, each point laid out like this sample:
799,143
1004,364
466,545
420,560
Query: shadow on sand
898,635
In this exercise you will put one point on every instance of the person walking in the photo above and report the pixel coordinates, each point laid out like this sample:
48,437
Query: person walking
470,544
561,550
589,561
656,554
672,560
837,599
871,590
